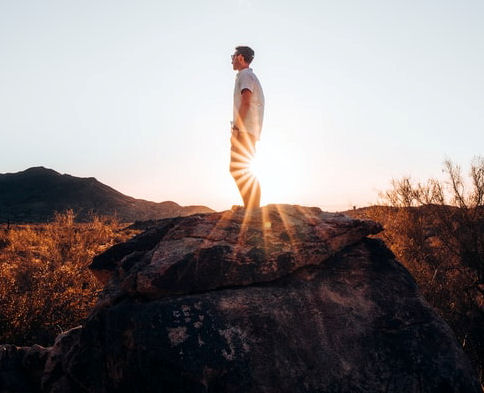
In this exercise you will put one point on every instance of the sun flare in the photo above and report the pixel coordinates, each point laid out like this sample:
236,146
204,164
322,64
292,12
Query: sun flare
279,169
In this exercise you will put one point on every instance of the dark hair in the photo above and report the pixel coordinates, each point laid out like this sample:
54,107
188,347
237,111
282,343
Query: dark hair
246,52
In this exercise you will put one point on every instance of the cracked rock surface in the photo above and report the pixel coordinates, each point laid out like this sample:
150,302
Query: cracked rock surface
231,248
281,299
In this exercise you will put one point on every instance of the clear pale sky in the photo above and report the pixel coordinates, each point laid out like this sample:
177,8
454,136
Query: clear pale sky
139,94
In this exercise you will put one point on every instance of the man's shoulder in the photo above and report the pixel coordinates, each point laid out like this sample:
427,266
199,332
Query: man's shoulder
247,74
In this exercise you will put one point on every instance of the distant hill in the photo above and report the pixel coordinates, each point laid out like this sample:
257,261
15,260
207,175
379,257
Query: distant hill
34,195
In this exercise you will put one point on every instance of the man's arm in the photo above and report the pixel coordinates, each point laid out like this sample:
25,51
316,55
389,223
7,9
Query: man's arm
244,108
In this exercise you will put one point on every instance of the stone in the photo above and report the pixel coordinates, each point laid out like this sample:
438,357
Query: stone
21,368
231,248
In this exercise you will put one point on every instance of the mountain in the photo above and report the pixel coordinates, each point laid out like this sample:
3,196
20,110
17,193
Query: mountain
279,299
34,195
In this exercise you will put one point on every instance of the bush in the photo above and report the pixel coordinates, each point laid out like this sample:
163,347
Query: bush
436,229
45,285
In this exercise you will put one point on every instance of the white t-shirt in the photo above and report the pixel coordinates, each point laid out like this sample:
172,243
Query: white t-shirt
246,79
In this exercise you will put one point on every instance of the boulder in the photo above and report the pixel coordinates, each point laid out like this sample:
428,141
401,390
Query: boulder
279,299
231,248
21,368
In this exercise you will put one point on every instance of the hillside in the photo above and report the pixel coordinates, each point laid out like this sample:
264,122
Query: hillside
34,195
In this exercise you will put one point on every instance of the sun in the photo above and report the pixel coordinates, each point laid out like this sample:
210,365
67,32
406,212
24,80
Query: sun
280,170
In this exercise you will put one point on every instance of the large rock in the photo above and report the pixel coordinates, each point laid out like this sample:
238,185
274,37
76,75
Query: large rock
21,368
282,299
201,253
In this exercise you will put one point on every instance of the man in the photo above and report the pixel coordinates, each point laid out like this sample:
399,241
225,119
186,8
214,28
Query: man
246,126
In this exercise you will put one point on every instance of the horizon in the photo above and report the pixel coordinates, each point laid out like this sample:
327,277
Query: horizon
139,96
93,177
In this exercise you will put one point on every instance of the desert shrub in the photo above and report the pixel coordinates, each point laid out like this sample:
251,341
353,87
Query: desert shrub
436,229
45,285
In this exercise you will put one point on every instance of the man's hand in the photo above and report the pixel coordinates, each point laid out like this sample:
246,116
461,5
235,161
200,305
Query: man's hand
244,108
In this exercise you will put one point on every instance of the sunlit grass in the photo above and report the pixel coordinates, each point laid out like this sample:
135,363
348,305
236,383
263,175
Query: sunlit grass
45,285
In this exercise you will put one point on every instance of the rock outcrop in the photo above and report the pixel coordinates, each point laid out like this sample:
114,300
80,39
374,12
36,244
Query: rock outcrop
281,299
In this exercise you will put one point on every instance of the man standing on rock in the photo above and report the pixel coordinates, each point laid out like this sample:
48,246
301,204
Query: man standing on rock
246,126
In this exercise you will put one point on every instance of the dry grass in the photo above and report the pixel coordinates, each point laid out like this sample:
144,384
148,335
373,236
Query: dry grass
450,285
45,286
436,229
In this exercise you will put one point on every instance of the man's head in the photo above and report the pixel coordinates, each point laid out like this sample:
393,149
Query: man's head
242,57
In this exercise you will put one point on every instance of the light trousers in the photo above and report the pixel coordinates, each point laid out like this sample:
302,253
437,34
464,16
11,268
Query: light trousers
242,152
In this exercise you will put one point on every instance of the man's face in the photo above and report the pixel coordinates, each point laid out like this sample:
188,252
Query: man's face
237,61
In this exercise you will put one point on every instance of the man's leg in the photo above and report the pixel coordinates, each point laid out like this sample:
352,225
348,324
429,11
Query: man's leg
241,153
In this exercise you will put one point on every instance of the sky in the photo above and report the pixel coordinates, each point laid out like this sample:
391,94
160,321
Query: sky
139,94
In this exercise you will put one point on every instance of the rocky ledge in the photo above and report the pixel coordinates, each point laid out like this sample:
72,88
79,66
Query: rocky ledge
279,299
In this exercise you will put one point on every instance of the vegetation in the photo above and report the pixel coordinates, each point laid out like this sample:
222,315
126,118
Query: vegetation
436,229
45,286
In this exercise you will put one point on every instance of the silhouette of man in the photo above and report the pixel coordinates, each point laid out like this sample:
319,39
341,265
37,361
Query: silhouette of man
246,126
